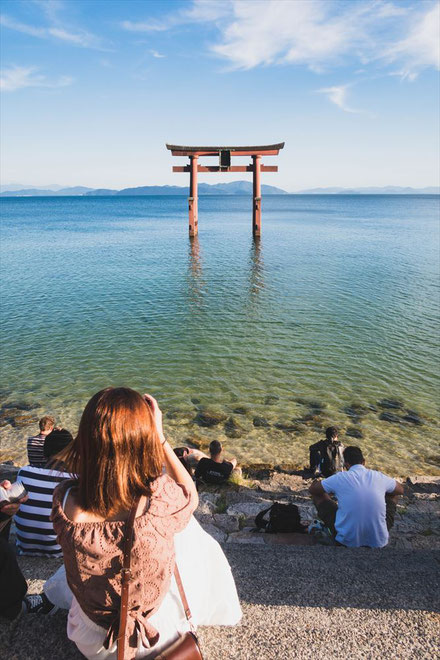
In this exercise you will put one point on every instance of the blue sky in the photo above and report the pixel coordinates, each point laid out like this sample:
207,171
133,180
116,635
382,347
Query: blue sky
92,89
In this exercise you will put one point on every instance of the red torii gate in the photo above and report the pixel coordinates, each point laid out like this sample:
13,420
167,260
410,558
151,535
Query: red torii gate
224,154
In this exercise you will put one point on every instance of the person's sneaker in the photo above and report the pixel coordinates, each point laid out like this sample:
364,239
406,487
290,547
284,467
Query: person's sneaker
321,533
39,604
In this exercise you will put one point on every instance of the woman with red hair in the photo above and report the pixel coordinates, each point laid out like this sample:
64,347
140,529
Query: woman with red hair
119,455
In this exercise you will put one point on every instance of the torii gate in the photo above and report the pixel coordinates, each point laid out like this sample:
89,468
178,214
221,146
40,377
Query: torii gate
224,154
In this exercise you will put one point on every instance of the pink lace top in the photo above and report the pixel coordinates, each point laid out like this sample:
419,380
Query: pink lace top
93,559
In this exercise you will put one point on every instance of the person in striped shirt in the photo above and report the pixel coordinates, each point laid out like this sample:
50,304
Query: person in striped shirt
35,534
35,444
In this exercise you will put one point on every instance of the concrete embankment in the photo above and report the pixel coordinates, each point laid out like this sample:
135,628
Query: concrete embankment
298,602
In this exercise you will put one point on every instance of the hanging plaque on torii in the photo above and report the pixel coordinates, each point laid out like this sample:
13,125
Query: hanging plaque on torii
224,155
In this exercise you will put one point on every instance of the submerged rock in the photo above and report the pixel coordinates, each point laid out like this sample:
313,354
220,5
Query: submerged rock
209,417
179,417
20,406
234,429
260,422
271,399
198,442
355,410
241,410
310,403
391,404
353,432
390,417
287,426
20,421
413,418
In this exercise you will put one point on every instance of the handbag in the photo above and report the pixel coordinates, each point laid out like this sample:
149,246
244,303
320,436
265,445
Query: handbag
186,646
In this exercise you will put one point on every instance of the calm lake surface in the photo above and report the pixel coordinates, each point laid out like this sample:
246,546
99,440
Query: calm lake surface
335,309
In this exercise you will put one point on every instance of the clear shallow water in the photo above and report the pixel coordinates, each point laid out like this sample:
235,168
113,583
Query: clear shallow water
338,304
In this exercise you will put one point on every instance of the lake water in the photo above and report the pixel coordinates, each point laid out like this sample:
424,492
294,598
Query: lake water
333,311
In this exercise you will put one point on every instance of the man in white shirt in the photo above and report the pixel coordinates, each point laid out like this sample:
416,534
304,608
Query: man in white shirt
366,503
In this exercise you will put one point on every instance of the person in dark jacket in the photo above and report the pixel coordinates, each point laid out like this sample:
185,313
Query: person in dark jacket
326,456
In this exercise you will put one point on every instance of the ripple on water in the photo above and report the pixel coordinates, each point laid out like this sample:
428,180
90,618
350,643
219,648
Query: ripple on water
336,305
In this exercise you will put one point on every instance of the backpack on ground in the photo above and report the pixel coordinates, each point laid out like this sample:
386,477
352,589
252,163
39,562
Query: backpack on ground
282,518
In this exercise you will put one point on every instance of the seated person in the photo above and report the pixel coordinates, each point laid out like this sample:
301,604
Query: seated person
35,533
182,454
35,444
366,503
13,586
215,470
326,455
189,457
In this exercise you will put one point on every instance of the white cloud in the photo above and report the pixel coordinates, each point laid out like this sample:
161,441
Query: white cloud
145,26
421,48
201,11
18,77
79,38
318,34
338,96
156,54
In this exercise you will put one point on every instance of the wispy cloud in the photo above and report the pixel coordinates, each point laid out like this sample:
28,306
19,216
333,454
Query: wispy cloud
145,26
318,34
201,11
421,48
338,96
18,77
156,54
78,38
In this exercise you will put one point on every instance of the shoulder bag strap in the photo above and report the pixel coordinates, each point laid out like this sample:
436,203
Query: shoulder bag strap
183,596
126,576
259,519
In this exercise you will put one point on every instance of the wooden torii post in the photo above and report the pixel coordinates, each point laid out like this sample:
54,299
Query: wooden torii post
224,154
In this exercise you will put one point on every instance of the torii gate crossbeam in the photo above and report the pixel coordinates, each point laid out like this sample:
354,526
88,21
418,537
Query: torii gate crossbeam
224,154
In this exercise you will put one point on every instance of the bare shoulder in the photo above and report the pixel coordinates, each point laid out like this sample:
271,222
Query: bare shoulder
75,513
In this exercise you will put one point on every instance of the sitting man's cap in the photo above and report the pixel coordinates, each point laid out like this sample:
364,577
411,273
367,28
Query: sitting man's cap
57,440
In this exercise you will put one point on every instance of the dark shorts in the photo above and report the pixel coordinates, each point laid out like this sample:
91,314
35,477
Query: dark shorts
328,508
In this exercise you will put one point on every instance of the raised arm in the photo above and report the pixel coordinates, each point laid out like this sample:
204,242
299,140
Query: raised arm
172,464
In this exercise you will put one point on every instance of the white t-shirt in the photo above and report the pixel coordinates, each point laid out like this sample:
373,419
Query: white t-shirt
360,518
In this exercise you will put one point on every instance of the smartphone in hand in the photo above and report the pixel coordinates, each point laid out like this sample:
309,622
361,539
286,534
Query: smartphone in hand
13,494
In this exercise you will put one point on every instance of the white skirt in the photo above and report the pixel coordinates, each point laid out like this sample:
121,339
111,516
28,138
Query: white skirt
209,587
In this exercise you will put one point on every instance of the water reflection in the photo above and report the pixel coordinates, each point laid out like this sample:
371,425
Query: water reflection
196,283
256,271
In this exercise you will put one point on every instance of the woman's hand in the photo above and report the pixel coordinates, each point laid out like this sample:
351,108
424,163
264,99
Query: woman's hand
10,508
157,415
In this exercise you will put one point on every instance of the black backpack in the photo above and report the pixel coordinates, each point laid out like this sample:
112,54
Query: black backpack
282,518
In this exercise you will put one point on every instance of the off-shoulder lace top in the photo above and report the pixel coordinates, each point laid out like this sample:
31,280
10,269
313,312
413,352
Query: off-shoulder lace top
93,559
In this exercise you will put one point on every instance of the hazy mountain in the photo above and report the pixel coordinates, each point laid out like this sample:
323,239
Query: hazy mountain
37,192
232,188
386,190
21,186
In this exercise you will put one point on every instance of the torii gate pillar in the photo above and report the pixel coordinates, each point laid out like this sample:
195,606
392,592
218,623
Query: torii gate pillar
193,198
224,154
256,208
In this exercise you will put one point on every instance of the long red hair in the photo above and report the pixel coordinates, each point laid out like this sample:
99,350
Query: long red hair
117,452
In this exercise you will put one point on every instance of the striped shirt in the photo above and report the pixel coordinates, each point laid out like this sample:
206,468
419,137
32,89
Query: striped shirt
35,533
35,450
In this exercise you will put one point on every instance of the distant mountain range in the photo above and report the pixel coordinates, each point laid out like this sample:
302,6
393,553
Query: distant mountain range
386,190
232,188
